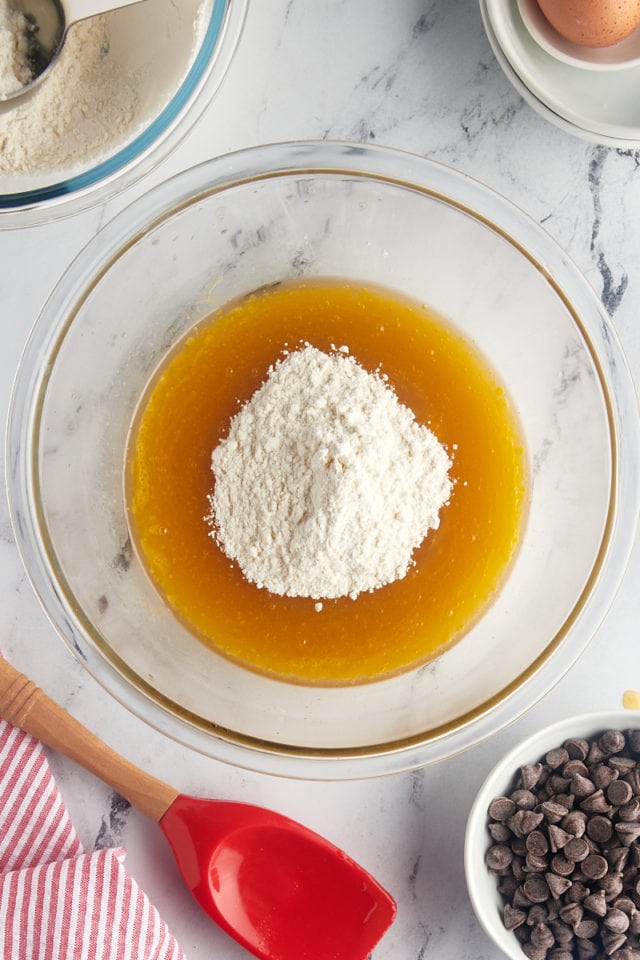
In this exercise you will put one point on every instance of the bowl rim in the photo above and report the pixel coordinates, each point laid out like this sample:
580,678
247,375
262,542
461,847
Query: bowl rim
153,143
533,746
496,213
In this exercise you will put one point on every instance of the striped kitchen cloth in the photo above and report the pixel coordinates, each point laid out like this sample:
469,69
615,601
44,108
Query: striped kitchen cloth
58,902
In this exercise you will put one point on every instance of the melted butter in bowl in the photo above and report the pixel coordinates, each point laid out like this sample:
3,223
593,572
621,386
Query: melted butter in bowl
458,567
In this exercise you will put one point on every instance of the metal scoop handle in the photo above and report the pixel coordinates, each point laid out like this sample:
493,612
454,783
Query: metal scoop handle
75,10
53,19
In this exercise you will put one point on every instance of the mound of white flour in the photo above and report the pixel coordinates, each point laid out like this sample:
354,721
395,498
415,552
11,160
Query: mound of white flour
325,483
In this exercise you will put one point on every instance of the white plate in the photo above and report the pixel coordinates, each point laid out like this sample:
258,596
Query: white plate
604,107
619,56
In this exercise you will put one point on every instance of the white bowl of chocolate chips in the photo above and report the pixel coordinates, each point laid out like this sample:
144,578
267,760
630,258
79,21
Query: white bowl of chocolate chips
552,849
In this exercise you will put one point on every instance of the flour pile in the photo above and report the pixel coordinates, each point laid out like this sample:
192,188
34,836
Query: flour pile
16,43
325,484
77,112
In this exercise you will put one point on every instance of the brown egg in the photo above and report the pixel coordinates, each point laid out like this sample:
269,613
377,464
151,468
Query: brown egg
592,23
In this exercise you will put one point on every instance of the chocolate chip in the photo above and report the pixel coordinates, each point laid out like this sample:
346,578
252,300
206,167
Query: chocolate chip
595,866
602,775
623,765
500,832
571,913
633,778
535,864
534,953
576,850
596,803
538,913
612,941
520,899
557,757
581,787
513,918
530,775
596,903
524,821
595,753
634,923
587,949
519,846
553,812
627,953
562,932
558,785
612,741
627,832
575,823
502,808
616,857
612,885
619,792
536,843
536,890
617,921
577,892
577,748
558,838
587,929
633,737
498,857
524,799
625,904
600,829
562,866
557,885
574,767
507,886
630,811
542,936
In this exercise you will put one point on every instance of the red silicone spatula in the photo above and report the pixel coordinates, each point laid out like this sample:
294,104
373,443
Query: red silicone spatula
278,888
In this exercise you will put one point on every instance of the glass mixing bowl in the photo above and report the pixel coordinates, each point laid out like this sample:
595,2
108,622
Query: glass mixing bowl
175,57
286,211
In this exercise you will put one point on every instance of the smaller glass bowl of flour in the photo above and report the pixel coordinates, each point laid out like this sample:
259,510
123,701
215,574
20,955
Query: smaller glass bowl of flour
123,92
245,283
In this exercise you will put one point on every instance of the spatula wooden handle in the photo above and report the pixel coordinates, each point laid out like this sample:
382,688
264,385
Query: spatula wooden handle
26,706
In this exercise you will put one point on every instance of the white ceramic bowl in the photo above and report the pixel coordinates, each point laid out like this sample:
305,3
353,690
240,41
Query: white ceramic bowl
371,215
174,56
618,56
482,885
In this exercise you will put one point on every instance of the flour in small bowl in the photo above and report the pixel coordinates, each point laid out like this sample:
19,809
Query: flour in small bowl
325,484
114,75
16,43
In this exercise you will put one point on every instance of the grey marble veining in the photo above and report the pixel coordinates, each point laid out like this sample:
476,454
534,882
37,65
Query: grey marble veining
418,75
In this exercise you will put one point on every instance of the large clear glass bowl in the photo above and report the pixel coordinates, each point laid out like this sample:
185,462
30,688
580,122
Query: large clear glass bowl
180,54
284,211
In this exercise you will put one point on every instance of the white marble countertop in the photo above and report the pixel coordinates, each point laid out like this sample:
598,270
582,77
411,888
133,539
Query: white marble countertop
419,75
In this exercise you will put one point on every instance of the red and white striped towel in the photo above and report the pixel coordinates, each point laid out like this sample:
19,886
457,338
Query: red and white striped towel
58,902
